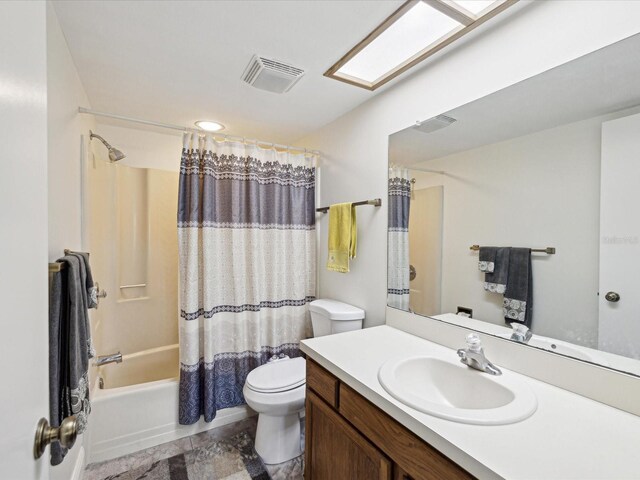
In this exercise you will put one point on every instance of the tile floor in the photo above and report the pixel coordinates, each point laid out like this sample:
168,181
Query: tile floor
291,470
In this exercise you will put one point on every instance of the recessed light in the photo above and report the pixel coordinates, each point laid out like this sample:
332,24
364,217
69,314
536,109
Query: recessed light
209,126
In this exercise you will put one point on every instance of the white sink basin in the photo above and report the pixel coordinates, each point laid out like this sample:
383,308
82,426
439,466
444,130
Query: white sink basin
456,392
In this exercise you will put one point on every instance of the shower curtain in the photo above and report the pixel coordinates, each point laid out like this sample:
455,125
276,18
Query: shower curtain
246,233
398,235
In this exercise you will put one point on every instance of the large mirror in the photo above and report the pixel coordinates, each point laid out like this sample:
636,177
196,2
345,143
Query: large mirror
550,164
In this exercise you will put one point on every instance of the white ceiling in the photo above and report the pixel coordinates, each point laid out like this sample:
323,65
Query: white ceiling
602,82
181,61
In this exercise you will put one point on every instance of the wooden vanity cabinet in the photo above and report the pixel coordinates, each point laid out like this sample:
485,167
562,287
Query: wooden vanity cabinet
349,438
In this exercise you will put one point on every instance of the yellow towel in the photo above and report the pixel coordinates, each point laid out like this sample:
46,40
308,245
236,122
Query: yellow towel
342,236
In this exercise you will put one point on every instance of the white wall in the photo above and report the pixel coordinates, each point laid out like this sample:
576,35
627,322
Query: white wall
535,37
65,129
537,190
143,148
65,164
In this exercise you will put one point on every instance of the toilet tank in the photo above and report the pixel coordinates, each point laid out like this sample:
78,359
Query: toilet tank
331,316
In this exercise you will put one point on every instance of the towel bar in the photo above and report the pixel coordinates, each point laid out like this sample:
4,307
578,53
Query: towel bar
548,250
376,202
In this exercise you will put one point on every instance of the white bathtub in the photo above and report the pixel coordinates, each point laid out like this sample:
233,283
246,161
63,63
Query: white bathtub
138,407
141,367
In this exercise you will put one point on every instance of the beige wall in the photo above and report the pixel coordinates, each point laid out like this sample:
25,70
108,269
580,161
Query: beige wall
137,319
537,36
425,249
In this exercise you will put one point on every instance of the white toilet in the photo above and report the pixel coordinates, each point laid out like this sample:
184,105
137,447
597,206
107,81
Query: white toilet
276,390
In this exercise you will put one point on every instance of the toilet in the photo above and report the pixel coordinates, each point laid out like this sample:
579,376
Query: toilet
276,390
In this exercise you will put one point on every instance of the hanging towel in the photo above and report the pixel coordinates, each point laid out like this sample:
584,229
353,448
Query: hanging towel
496,281
57,357
89,293
68,349
518,297
487,259
342,236
92,290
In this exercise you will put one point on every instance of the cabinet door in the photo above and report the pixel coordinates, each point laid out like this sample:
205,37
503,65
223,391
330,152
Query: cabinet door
336,451
400,474
416,458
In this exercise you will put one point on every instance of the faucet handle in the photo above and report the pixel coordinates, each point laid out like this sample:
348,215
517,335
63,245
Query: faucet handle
474,343
520,332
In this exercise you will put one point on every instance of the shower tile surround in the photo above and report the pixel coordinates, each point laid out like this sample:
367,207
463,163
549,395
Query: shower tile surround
122,467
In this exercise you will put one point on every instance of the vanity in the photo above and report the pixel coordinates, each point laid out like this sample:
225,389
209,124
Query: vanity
355,429
349,437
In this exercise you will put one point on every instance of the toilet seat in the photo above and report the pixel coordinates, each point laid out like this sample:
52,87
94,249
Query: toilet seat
278,376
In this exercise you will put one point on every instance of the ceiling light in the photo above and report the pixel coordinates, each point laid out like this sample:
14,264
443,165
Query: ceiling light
420,26
432,124
414,32
209,126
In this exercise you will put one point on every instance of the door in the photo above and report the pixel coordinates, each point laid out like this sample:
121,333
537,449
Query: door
619,319
335,450
23,237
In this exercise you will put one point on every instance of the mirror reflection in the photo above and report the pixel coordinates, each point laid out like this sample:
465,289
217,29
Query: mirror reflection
516,214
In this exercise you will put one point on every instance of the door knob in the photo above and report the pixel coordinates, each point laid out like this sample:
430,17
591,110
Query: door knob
65,434
612,297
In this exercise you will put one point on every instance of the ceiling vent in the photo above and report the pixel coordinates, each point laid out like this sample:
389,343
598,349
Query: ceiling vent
271,75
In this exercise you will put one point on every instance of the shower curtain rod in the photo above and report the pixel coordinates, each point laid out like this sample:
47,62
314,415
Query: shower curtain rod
248,141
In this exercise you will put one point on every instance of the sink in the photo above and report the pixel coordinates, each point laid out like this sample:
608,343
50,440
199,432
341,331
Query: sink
453,391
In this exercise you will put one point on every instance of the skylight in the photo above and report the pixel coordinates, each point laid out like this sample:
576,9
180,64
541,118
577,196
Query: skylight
412,33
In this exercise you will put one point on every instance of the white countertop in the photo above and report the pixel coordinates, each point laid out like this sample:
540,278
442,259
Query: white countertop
568,437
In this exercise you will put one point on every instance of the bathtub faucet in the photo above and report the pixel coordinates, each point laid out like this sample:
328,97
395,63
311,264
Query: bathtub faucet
111,358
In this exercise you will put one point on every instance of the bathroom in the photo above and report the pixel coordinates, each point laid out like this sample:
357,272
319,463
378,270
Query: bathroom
540,95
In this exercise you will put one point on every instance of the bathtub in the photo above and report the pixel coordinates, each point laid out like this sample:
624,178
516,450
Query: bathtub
137,407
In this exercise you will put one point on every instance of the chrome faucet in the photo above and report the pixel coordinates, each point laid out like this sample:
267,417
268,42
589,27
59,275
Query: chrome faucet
473,356
111,358
521,333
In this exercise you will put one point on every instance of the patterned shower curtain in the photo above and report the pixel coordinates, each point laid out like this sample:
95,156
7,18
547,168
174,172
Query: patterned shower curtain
398,266
246,232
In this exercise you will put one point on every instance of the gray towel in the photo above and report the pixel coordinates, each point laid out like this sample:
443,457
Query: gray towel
57,357
518,297
68,351
89,293
496,281
92,291
487,259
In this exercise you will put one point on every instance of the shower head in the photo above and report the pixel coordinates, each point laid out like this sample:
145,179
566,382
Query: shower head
114,153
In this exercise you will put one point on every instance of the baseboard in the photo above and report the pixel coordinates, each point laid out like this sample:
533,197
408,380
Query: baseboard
135,441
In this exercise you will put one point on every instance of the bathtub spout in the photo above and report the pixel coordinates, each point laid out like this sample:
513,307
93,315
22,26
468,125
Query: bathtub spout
111,358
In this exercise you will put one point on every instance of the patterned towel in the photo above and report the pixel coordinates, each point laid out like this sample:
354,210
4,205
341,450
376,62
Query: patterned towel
487,259
68,350
518,297
496,281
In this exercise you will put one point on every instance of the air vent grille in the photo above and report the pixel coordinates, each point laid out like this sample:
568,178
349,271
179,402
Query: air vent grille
282,67
271,75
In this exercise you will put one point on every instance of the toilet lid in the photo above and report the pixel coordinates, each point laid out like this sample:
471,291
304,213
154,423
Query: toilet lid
277,376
